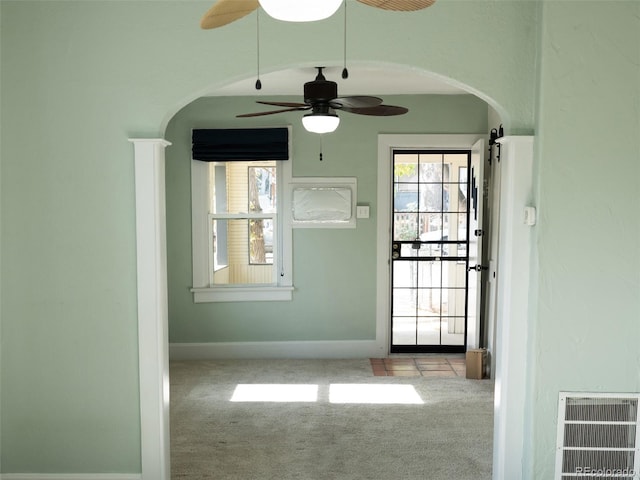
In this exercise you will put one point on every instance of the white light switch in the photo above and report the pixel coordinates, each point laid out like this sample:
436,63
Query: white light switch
362,211
530,216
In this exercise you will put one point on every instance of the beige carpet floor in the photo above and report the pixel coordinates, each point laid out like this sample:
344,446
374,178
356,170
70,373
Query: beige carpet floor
237,420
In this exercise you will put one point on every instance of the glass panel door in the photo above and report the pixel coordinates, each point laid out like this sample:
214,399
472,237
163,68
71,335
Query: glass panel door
429,251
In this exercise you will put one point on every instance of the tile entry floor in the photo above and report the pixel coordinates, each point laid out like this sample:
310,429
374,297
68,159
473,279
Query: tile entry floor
427,366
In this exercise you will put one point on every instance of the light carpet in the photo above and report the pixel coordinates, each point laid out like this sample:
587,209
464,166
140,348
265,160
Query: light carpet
446,435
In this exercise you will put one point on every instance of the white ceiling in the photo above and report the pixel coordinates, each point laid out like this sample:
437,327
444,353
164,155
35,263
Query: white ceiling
363,80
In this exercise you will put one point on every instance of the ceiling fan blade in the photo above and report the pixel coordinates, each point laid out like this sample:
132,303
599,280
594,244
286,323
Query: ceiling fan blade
271,112
378,111
283,104
227,11
399,5
356,101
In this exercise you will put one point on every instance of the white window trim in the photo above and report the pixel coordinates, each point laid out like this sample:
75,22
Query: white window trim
202,291
242,294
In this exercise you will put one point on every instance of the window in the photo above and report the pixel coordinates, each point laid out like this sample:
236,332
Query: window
241,236
263,194
243,222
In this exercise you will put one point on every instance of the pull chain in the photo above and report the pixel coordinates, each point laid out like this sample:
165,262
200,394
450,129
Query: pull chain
258,82
320,147
345,72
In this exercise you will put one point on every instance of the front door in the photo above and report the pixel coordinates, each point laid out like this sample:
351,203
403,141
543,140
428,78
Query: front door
429,251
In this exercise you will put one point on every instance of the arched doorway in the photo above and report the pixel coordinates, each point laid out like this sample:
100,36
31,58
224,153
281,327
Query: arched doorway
153,338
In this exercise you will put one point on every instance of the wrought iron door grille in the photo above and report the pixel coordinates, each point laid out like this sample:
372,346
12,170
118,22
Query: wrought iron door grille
429,250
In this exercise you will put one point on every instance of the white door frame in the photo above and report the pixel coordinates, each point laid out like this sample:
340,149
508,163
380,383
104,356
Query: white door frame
514,258
386,144
512,326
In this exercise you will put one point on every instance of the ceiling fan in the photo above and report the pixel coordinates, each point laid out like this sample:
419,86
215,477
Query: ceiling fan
321,97
227,11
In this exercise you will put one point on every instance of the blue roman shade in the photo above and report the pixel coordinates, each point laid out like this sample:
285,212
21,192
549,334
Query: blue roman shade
240,144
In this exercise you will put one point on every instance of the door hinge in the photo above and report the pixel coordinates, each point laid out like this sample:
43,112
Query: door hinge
478,233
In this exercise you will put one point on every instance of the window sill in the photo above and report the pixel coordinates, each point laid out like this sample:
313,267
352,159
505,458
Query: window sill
242,294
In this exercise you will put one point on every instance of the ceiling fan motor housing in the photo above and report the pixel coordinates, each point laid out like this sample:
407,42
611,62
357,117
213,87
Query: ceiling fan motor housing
320,91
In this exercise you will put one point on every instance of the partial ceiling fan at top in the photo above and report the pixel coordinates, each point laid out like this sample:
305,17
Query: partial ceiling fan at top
224,12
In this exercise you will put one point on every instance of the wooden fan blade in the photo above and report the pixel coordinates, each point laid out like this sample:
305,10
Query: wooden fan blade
399,5
227,11
378,111
271,112
283,104
356,101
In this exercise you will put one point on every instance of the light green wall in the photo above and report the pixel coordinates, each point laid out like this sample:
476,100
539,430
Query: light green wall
1,369
334,269
588,312
79,77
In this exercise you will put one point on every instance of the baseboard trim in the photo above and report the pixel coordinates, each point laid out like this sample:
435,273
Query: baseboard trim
259,350
70,476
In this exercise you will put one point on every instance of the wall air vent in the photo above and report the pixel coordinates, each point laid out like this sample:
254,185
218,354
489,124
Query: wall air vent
598,436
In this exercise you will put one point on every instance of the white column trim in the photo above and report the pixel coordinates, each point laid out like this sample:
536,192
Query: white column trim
153,338
512,326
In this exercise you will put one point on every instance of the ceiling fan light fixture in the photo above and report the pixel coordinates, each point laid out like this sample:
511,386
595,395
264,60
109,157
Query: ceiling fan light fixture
300,10
321,122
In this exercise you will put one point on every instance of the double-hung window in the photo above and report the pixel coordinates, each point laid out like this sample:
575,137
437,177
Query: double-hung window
241,236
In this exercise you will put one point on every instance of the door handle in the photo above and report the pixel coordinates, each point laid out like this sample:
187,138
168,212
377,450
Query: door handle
477,268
